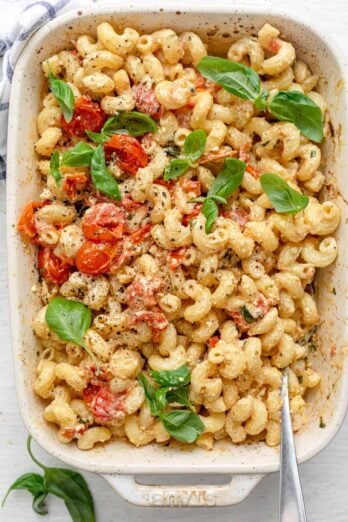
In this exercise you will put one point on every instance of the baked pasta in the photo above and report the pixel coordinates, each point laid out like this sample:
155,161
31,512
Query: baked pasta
178,234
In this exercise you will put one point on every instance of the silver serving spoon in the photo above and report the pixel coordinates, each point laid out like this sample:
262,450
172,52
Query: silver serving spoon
291,504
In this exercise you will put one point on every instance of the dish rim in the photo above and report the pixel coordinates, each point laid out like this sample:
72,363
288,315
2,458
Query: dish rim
53,446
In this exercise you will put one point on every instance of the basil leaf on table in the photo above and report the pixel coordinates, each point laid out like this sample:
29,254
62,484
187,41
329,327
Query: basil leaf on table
183,425
194,145
64,95
173,378
234,77
299,109
175,169
78,156
72,488
69,319
54,168
150,394
284,198
34,483
229,179
210,211
63,483
102,179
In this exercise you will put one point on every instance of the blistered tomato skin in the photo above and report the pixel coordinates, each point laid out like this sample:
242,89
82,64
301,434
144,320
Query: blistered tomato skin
87,116
103,403
52,268
129,154
95,258
103,223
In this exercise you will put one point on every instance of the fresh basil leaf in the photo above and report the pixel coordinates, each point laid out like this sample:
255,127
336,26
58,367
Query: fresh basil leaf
173,378
173,150
261,100
183,425
69,319
229,179
234,77
101,177
247,315
161,399
200,199
78,156
284,198
179,395
72,488
135,123
219,199
39,503
210,211
54,168
33,482
299,109
150,394
175,169
64,96
97,137
194,145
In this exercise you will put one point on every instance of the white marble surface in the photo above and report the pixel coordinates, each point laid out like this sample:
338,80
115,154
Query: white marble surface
324,478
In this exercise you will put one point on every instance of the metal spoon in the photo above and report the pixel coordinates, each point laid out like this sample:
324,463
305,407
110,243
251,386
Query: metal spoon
291,504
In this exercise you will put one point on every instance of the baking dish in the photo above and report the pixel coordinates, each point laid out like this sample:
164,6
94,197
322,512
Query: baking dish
118,461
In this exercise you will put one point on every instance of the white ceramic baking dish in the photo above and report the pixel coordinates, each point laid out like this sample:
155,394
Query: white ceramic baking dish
119,462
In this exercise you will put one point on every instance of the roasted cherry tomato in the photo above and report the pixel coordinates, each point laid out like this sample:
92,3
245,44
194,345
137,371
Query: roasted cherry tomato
103,403
93,258
155,319
26,223
213,341
176,257
191,186
103,223
129,204
139,235
240,215
52,268
87,116
146,101
73,183
130,155
141,293
195,212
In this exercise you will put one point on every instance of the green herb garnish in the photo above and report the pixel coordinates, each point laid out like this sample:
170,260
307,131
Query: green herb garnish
66,484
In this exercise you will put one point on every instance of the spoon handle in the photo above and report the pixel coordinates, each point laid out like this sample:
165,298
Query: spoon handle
291,504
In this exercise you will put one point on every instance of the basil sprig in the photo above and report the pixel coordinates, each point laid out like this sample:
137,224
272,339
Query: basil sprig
63,483
193,148
133,123
102,179
69,319
64,95
285,199
54,168
183,425
244,82
225,183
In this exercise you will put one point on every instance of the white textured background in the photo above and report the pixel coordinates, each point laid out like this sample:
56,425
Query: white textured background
324,478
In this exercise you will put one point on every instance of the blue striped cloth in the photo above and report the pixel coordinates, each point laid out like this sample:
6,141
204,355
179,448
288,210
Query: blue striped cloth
19,20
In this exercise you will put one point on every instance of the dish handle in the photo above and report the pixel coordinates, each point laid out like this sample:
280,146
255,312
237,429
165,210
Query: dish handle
183,496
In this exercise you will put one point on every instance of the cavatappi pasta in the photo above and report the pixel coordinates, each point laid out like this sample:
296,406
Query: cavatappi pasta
236,305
